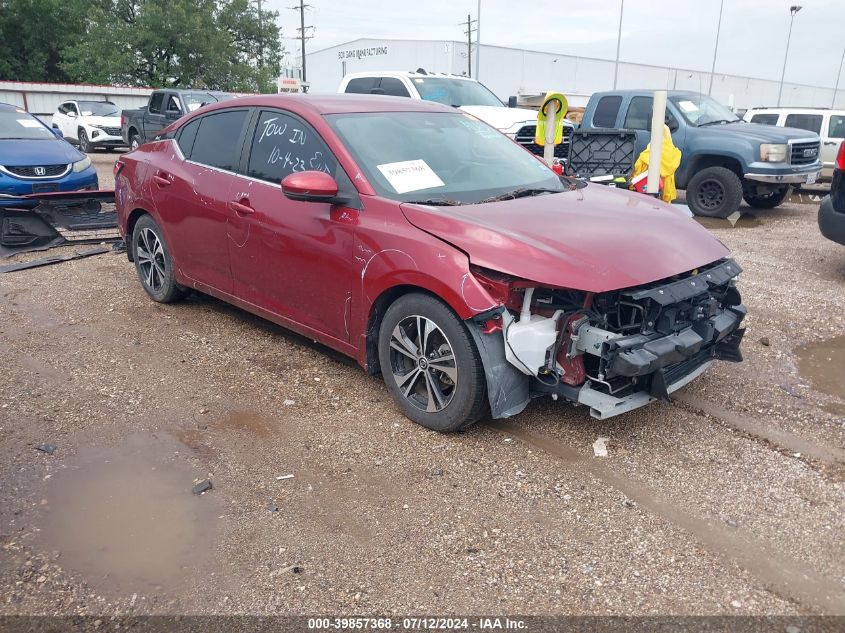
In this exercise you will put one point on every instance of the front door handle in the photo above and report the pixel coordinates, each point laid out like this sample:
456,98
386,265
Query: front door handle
161,181
831,143
240,207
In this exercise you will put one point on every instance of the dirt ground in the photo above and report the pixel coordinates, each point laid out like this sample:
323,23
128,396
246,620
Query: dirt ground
326,499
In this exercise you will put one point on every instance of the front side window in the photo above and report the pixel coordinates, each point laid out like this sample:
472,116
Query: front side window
606,110
283,144
769,118
393,87
455,92
71,107
98,108
218,139
836,127
441,156
173,105
809,122
361,85
20,125
63,108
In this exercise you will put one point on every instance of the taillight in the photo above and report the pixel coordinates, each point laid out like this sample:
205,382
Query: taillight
840,157
118,166
121,119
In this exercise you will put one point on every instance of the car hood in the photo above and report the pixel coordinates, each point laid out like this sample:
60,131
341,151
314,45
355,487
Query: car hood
502,118
757,131
108,121
595,239
29,153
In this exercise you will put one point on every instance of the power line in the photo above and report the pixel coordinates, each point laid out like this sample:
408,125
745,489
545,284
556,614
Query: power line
469,31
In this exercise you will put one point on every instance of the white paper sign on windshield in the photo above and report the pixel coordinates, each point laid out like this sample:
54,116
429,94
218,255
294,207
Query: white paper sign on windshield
410,175
28,123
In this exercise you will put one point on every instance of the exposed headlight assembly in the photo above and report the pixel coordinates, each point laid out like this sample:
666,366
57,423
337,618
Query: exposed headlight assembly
773,152
82,165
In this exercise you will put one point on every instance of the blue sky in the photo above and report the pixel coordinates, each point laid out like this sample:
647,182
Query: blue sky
678,33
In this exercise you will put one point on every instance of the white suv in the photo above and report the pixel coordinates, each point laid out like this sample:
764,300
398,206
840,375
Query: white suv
461,92
90,124
828,124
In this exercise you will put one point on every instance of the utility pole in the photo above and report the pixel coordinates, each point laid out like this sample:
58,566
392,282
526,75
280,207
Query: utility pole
260,41
478,41
795,8
303,35
469,33
716,48
618,44
836,87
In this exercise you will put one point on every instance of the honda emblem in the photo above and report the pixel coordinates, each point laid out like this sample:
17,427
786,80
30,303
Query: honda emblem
40,171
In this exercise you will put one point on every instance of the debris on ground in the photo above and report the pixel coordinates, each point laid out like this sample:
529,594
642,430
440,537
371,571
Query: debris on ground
46,448
202,487
48,261
288,403
791,391
272,507
765,341
600,447
281,477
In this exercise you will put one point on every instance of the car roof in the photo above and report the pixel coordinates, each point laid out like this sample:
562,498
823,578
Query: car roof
796,110
405,73
335,103
645,91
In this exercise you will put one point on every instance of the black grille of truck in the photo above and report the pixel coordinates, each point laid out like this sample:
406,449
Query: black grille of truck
525,137
804,153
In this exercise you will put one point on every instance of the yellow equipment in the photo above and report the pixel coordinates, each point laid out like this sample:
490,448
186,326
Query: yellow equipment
562,106
669,162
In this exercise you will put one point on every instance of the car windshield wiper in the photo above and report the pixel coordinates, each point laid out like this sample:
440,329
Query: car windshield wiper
519,193
714,122
435,202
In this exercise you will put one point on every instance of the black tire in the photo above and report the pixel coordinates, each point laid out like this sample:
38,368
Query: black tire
714,192
446,395
134,141
766,201
156,272
84,142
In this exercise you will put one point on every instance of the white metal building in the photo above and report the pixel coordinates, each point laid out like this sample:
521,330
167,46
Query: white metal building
511,71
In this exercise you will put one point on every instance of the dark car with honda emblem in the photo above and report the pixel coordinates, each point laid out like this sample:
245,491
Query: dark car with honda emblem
36,159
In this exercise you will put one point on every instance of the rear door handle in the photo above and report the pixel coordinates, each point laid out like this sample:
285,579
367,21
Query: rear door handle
239,207
161,181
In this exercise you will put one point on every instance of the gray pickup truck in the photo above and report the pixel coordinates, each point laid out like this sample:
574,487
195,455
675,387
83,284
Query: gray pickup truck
164,107
724,159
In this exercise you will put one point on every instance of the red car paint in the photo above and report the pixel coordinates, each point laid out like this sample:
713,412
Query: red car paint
321,270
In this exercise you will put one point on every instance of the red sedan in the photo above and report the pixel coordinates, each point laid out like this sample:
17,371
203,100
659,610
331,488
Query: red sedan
434,250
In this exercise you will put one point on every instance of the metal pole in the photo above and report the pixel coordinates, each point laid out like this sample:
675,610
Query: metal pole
716,48
549,139
618,44
469,45
792,10
836,87
477,39
302,34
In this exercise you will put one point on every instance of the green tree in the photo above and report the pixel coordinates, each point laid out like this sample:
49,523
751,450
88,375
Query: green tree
34,35
219,45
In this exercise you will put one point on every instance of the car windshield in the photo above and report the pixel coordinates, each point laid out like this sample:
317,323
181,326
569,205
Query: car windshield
20,125
441,158
699,110
195,100
98,108
455,92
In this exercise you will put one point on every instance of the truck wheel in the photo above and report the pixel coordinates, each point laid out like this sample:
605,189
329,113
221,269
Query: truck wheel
134,141
714,192
767,200
431,365
84,143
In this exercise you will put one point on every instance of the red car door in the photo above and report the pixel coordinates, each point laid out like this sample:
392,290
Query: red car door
192,195
293,259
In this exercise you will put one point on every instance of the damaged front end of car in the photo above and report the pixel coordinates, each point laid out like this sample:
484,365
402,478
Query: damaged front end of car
612,351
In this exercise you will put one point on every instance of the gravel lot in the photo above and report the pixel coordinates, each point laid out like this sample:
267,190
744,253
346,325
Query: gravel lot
729,501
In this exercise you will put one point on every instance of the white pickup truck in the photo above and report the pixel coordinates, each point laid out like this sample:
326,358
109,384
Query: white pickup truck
460,92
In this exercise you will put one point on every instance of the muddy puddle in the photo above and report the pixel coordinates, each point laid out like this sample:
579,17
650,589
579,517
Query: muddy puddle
124,517
745,221
823,364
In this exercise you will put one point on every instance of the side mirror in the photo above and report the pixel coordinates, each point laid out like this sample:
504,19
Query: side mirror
673,125
512,101
57,132
310,186
71,114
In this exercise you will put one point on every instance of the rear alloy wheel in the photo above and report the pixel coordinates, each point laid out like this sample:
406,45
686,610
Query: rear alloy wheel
430,364
714,192
84,142
134,142
766,200
153,262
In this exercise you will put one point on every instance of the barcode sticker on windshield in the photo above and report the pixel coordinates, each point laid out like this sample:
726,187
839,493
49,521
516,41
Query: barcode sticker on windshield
410,175
688,106
28,123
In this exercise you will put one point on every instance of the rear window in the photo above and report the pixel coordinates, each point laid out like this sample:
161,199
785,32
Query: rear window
361,85
155,102
639,113
20,125
606,110
809,122
217,143
836,129
765,119
187,135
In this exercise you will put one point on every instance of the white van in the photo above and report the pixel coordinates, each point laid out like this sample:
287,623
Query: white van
828,124
460,92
